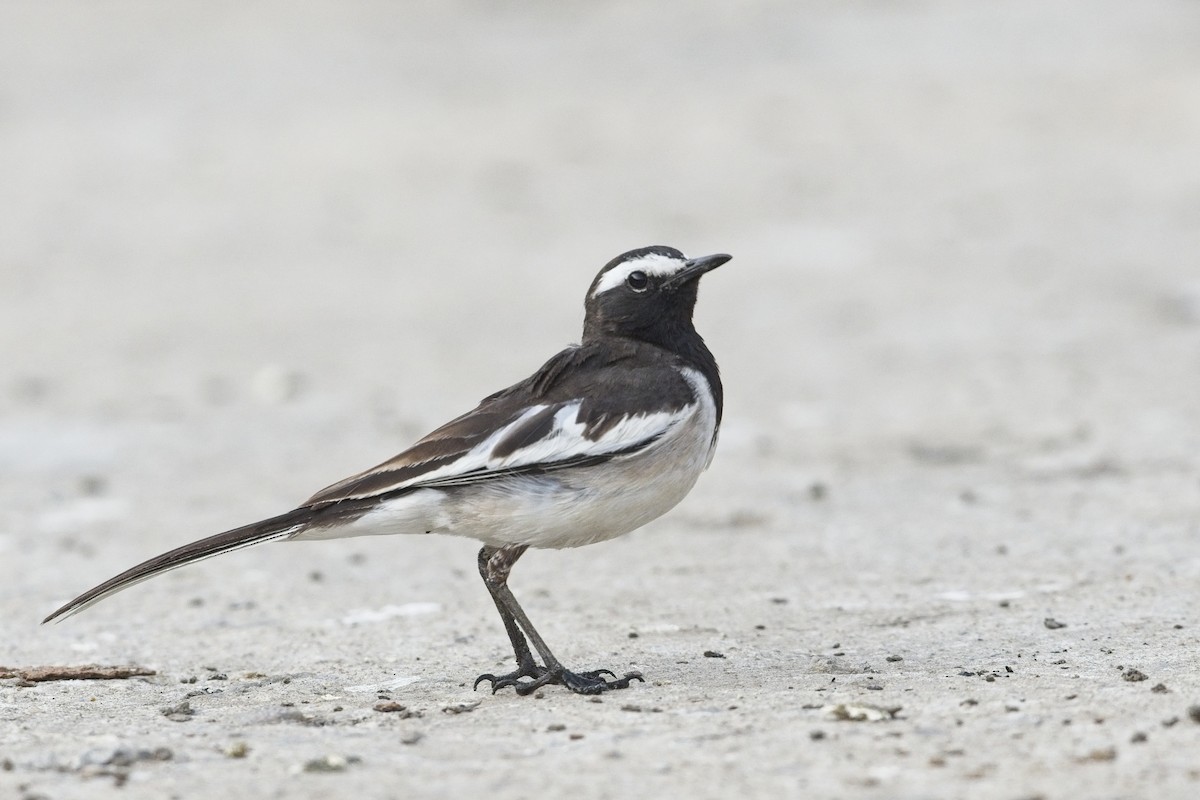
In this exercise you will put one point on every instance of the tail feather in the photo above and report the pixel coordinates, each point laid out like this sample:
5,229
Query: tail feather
274,528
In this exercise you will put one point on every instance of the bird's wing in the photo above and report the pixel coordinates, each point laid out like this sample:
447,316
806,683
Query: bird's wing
581,407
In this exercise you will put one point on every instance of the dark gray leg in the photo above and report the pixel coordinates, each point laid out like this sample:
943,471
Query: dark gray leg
491,564
495,564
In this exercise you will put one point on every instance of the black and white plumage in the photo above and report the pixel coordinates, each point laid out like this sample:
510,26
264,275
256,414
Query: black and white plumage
606,436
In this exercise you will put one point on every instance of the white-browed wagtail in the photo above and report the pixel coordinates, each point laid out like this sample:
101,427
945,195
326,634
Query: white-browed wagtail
606,436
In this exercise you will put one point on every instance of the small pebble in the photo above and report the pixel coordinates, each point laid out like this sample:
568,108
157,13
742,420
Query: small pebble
180,713
392,707
330,763
237,750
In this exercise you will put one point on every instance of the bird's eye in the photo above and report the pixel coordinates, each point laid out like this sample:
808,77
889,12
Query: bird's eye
638,281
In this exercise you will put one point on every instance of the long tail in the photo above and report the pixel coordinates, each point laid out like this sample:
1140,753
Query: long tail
274,528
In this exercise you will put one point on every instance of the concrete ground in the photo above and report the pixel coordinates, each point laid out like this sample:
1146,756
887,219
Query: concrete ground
950,544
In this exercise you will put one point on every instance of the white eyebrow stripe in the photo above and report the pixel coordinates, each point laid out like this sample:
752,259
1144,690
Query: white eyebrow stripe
652,264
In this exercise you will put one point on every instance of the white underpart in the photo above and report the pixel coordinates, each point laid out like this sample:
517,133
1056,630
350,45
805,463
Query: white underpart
652,264
571,507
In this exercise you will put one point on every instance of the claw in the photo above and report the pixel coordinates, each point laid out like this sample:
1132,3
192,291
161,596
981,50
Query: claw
531,670
590,682
623,683
529,687
487,676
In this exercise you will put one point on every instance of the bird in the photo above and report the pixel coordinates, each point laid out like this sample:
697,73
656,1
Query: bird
606,436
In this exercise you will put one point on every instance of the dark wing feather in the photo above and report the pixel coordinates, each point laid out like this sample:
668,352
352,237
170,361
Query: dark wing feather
610,383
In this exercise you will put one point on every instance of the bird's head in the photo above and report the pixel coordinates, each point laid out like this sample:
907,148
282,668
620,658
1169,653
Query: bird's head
646,294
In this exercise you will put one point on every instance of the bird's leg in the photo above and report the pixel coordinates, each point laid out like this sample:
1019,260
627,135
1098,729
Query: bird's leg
495,564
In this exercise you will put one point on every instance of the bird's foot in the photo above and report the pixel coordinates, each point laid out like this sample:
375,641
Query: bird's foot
526,669
592,682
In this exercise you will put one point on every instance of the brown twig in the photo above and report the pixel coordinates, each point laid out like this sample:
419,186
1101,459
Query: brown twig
85,672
